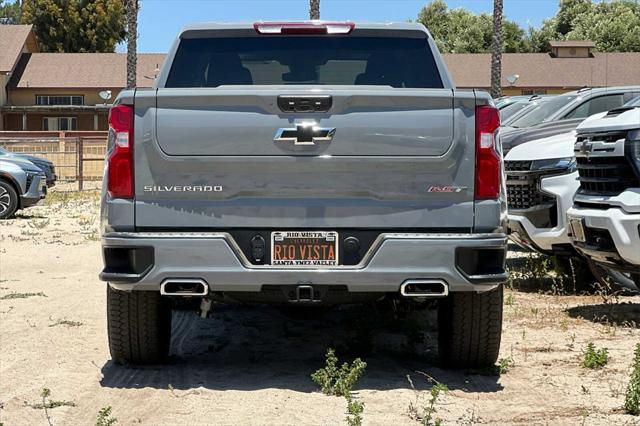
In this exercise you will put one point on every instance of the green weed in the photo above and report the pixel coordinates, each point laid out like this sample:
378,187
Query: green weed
426,414
355,409
632,396
104,417
595,358
338,381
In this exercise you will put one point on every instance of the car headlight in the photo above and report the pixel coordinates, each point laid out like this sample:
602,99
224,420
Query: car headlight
564,165
632,149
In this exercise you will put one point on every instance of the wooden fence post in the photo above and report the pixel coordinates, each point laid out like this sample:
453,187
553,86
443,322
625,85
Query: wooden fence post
80,149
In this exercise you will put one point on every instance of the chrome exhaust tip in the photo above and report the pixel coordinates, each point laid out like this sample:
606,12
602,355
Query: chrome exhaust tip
184,287
424,288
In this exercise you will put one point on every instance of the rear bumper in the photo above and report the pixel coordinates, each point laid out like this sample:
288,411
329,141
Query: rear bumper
142,261
612,236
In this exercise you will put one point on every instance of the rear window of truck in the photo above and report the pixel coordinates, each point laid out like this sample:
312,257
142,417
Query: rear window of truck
277,60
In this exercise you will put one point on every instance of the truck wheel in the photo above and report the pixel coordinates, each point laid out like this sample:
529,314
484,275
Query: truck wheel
469,329
139,326
8,200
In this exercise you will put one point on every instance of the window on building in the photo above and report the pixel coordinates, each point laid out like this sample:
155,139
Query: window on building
528,92
59,100
59,123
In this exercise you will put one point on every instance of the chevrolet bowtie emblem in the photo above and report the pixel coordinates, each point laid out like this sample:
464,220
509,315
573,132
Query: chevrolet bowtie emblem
586,147
305,133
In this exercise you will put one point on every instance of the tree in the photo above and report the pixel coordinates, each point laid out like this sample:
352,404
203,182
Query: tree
538,38
314,9
132,38
10,12
461,31
613,27
76,25
568,12
496,50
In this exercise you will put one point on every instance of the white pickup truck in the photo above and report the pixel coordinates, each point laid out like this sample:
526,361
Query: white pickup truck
605,217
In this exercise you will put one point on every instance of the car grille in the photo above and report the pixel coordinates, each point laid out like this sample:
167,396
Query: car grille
517,166
605,175
523,188
525,195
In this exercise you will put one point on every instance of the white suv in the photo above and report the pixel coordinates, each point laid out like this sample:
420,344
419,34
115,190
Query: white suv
605,217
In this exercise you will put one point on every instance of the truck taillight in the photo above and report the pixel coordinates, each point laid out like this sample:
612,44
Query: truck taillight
488,160
120,157
307,28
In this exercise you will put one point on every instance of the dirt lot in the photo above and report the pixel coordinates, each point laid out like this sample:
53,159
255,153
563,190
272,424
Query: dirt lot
251,365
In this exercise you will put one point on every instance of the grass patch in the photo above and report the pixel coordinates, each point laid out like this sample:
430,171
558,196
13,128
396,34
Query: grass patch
64,197
14,295
594,357
632,396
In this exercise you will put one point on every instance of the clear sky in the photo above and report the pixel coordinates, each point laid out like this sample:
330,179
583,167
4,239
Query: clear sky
160,20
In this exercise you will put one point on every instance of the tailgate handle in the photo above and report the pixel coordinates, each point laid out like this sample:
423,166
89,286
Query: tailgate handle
293,103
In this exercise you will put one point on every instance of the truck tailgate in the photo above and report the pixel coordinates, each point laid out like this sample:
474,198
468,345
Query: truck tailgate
230,157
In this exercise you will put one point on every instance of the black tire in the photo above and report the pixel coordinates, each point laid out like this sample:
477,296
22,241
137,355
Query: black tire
469,329
139,326
9,200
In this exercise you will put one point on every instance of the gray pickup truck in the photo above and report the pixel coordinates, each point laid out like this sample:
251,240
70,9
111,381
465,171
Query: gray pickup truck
304,164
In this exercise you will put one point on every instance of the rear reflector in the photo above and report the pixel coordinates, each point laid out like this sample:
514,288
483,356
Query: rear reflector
120,157
488,160
310,28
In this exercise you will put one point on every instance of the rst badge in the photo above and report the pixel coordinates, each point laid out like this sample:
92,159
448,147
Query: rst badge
447,189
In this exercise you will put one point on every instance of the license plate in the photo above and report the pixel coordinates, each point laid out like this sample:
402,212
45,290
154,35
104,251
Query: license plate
577,229
304,249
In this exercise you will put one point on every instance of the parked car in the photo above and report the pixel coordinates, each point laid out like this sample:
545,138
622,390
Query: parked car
605,216
323,183
45,165
561,114
512,106
22,185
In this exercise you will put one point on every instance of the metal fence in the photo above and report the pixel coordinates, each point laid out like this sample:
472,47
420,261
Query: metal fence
76,159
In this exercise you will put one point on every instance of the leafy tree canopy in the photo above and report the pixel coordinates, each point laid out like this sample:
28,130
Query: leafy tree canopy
76,25
461,31
9,12
612,26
